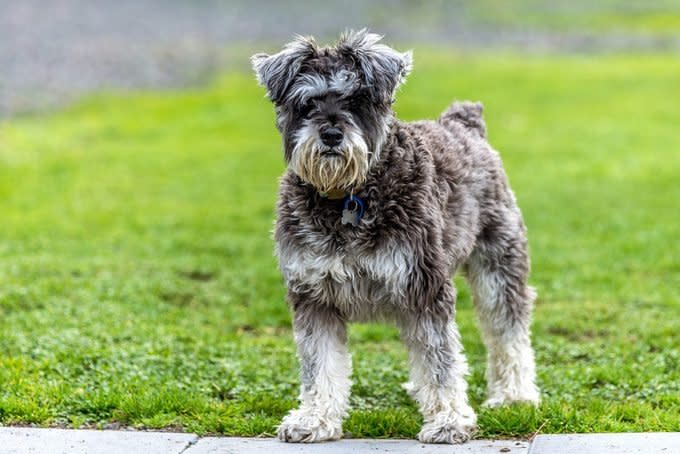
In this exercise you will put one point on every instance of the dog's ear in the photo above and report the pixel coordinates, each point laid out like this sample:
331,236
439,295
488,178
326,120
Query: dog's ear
383,68
276,72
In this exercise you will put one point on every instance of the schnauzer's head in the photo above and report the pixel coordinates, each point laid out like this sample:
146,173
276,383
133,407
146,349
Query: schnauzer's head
333,104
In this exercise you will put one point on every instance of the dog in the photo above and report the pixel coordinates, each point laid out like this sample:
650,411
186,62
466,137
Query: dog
374,216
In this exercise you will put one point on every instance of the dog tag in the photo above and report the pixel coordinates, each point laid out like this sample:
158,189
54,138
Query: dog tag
353,211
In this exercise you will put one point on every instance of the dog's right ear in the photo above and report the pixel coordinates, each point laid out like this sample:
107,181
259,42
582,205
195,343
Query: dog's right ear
277,72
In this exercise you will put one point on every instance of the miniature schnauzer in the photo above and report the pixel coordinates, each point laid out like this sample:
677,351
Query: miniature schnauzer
374,216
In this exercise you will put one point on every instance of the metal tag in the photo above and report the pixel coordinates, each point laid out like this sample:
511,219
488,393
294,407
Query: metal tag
350,217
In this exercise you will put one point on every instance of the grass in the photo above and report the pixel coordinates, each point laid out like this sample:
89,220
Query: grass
138,286
655,18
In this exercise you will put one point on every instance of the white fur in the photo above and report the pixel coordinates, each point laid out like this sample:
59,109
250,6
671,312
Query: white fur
362,285
511,373
344,81
325,403
309,86
448,417
511,368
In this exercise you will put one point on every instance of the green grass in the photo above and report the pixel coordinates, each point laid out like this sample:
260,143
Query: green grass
137,282
659,18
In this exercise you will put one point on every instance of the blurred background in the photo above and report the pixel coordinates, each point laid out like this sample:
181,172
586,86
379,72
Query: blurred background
50,52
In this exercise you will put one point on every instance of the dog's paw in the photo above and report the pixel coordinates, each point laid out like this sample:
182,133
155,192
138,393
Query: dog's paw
449,427
301,426
530,396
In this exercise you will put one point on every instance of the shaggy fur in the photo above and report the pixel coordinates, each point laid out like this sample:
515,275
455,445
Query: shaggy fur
437,200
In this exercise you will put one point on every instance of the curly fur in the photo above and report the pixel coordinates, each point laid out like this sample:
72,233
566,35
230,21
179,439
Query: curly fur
437,200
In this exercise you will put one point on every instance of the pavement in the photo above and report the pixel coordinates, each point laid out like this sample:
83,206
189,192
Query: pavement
20,440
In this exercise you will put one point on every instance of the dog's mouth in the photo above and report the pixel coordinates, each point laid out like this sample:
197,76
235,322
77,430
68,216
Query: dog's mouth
331,166
332,153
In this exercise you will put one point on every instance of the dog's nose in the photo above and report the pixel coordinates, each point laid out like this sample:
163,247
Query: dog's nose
331,137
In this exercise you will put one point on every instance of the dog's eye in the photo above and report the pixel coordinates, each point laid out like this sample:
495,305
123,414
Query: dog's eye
306,109
357,101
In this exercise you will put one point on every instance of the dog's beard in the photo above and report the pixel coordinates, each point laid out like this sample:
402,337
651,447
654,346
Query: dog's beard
344,169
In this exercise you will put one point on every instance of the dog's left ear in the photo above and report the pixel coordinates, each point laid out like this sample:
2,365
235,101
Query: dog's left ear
276,72
384,68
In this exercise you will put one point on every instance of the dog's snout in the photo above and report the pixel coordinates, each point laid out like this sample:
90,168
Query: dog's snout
331,137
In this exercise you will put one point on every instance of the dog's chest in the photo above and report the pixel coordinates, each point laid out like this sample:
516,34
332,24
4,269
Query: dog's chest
355,280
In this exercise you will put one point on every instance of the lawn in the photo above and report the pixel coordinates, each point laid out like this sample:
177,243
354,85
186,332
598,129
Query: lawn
652,18
138,285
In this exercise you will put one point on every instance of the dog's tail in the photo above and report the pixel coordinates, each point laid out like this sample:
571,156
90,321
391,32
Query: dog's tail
465,113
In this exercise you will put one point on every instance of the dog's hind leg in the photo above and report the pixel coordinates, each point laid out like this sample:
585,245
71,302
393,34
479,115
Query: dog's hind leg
497,271
438,370
325,363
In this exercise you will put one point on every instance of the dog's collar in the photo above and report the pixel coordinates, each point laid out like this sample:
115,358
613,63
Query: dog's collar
333,194
353,206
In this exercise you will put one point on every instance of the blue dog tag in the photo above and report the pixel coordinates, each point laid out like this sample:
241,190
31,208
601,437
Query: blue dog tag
353,210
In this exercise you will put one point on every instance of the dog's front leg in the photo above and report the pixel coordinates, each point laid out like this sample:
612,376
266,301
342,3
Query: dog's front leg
438,370
321,338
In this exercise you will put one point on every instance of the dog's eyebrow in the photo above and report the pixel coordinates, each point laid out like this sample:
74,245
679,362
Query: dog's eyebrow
308,86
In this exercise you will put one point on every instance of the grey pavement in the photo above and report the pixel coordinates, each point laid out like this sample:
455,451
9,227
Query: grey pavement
622,443
21,440
260,445
18,440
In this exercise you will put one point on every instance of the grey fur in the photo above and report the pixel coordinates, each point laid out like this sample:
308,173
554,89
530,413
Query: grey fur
437,200
275,72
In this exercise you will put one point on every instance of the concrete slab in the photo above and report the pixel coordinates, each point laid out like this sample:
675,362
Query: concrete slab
230,445
620,443
19,440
